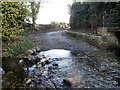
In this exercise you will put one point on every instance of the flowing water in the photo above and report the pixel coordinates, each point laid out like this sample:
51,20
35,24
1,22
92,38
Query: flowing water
67,62
81,71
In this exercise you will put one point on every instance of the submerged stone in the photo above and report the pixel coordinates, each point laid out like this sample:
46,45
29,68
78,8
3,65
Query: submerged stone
2,71
28,81
30,51
55,64
67,82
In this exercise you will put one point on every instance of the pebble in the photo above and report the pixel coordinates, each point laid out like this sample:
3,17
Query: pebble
49,84
43,64
55,64
21,60
2,71
34,50
114,82
37,72
40,81
53,71
117,77
37,49
39,66
55,67
43,56
28,81
30,51
97,86
50,68
39,57
43,60
31,86
51,76
67,82
32,58
45,73
47,62
31,70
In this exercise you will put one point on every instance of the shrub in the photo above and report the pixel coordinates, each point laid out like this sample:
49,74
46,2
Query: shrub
13,16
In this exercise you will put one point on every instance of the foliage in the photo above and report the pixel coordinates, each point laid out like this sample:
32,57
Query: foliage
81,15
18,47
113,17
34,10
13,16
94,14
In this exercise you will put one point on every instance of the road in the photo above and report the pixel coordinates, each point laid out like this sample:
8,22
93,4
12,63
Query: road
58,39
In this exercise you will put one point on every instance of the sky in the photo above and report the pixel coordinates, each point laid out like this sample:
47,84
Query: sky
57,10
54,10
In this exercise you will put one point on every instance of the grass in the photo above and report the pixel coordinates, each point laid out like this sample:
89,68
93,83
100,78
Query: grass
17,47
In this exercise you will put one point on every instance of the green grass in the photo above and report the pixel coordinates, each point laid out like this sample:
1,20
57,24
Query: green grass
18,47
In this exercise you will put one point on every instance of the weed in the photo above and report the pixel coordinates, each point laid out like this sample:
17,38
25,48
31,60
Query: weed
18,47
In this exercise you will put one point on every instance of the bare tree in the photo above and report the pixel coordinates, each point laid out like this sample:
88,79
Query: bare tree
35,6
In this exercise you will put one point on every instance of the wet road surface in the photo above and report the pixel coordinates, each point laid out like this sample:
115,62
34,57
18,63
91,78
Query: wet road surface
82,66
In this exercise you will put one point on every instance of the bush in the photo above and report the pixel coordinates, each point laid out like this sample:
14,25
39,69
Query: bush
13,16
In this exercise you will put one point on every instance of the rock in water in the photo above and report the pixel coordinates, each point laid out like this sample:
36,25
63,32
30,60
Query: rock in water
67,82
47,62
28,81
34,50
37,49
42,64
55,64
30,51
43,60
21,60
1,71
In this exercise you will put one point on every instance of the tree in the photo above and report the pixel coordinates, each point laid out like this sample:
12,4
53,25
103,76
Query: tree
80,14
35,9
113,16
94,14
35,6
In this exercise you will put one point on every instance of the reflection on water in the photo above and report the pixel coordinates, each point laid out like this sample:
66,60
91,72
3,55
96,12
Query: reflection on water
56,53
59,56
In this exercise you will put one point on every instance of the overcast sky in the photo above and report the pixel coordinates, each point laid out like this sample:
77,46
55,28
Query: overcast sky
55,10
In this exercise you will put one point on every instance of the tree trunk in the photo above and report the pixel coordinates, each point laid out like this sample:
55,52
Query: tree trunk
33,13
35,10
